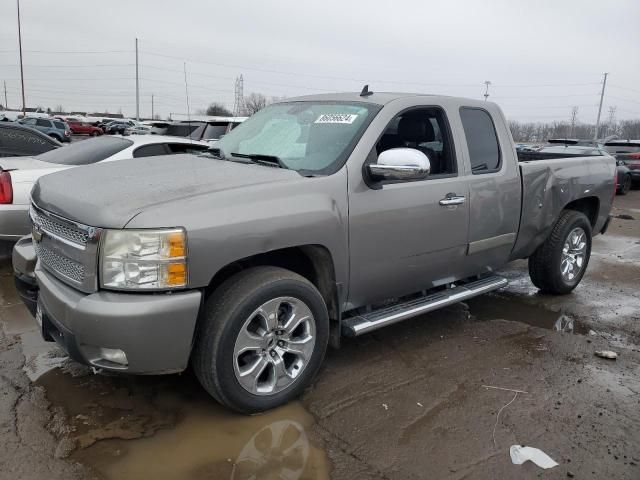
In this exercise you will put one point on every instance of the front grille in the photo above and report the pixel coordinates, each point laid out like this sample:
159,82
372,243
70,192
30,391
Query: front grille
66,249
59,227
59,264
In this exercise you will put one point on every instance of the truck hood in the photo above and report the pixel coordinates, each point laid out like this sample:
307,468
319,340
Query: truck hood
110,194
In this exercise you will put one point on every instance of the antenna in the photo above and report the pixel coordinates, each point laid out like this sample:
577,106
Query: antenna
486,91
365,91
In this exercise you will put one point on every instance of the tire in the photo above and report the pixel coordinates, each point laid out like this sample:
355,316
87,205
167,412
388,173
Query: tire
230,313
626,185
94,134
547,262
55,137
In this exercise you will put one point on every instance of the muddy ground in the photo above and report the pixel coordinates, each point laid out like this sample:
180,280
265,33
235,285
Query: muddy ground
406,402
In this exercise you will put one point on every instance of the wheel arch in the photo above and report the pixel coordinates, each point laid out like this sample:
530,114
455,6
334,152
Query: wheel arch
589,206
313,262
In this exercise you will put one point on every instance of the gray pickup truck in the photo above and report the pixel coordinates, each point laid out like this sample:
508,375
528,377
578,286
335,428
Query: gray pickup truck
318,217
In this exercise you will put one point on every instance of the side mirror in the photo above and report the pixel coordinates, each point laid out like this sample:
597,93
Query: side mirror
400,164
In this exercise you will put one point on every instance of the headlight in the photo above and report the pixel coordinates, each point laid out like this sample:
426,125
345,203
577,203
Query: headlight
143,259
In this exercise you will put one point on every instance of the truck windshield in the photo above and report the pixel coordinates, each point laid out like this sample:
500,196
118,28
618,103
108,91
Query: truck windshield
311,137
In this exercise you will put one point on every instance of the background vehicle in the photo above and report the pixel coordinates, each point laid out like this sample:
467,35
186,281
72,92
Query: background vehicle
83,128
54,128
138,130
318,217
17,140
19,174
628,152
208,131
157,127
117,127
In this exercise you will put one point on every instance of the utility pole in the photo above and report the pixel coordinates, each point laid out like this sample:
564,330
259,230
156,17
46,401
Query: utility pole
574,118
152,116
5,96
604,84
137,86
186,92
21,68
486,91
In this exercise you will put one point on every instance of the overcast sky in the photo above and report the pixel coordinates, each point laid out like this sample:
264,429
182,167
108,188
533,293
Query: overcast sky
542,57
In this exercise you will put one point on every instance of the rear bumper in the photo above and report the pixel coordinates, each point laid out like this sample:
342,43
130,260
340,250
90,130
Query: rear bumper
14,221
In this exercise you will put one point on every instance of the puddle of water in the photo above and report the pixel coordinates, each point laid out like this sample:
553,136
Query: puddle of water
168,428
40,356
497,306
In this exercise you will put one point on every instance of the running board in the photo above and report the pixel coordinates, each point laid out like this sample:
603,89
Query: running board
367,322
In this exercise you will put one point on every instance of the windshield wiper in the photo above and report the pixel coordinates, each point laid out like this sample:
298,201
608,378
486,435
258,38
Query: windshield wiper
269,160
214,152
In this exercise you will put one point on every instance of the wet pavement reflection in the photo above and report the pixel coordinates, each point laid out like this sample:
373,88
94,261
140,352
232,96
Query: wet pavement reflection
168,428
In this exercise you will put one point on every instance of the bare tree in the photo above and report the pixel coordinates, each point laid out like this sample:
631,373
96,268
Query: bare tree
254,103
218,110
59,109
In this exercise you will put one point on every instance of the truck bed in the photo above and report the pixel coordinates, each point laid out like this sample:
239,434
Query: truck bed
549,186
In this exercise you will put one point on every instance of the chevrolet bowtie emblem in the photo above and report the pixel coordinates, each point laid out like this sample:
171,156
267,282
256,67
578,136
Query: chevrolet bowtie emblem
36,232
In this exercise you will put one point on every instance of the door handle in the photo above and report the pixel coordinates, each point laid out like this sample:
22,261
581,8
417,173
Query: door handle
452,199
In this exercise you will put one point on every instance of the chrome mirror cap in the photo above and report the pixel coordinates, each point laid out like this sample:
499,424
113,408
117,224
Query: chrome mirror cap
400,164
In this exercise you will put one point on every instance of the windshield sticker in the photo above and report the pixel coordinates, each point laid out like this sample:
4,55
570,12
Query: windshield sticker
347,118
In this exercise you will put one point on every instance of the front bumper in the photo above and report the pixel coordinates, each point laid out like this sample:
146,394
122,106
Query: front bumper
155,331
14,221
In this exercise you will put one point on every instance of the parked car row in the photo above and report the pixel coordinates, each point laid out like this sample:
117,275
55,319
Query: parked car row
18,174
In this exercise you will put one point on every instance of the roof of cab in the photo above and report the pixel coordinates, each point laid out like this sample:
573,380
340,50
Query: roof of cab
382,98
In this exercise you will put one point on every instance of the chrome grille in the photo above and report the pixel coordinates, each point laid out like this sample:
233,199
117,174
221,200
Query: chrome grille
58,227
59,264
66,249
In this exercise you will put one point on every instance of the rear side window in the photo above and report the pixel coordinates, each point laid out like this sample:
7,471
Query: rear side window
43,123
150,150
87,152
59,125
482,141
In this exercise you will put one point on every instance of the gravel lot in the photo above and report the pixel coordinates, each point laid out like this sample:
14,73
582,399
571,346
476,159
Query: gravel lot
406,402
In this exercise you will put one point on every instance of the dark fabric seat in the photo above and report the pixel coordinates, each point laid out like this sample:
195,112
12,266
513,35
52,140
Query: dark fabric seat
414,130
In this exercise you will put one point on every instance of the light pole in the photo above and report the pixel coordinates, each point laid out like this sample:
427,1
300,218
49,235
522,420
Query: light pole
21,68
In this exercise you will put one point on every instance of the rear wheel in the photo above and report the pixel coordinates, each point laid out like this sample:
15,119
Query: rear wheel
56,137
558,265
261,340
626,185
94,134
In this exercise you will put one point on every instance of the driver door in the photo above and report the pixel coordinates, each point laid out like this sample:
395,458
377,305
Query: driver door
403,236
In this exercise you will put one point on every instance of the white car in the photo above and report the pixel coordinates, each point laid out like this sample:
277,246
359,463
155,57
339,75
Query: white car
18,174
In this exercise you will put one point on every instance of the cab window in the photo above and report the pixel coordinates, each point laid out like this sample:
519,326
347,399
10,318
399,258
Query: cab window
426,130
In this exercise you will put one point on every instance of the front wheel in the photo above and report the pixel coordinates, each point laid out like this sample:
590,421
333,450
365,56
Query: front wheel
558,265
261,340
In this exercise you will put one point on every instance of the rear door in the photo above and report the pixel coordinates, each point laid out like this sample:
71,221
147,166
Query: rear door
494,187
403,237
